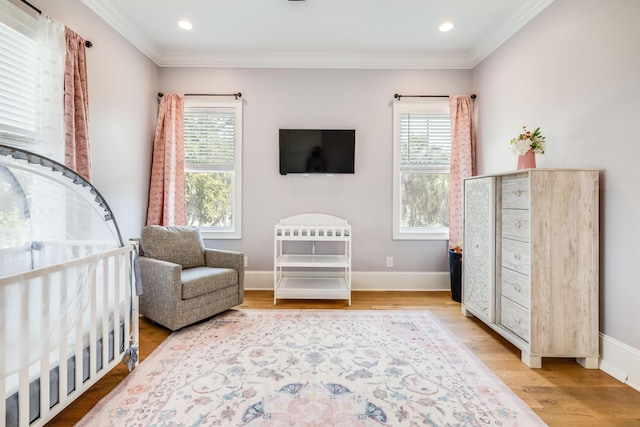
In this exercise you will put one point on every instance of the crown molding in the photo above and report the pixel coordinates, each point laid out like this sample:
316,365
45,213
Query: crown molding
501,34
336,60
112,16
355,60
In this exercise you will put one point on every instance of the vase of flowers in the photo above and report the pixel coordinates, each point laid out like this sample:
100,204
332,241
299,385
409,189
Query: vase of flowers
526,145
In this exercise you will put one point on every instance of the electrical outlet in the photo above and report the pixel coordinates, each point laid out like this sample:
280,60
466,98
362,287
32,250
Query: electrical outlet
246,261
389,261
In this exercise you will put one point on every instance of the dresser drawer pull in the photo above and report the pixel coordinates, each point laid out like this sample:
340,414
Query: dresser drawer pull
517,193
517,288
516,320
518,224
517,256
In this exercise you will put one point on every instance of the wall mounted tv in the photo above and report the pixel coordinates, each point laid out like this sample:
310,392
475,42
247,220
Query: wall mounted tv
310,151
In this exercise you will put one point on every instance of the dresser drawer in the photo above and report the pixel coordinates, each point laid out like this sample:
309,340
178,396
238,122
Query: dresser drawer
515,224
515,318
515,286
515,255
515,192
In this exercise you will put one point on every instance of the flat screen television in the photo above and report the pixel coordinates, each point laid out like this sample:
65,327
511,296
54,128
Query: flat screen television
324,151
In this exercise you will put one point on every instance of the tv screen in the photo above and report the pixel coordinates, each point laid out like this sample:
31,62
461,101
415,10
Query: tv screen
317,151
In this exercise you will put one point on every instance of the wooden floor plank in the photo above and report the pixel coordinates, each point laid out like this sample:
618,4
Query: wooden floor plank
562,393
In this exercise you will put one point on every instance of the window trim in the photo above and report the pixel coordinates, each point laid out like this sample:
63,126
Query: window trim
433,106
236,230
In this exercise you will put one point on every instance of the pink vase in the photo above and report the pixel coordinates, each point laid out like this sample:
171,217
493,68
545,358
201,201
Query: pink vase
527,160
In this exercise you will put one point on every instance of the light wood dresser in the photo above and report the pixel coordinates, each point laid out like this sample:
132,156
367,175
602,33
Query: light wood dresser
531,260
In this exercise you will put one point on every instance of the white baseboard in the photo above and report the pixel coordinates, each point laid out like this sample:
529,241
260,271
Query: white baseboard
369,281
400,281
620,360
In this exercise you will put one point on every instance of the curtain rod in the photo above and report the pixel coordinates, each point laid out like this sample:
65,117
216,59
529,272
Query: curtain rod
237,95
87,43
398,96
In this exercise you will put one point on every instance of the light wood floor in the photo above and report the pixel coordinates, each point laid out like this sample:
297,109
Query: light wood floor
562,393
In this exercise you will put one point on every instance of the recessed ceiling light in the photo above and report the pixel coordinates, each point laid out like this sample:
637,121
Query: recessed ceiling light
185,25
446,26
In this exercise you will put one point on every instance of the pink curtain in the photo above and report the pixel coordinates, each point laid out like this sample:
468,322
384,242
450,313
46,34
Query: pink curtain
166,192
463,161
77,154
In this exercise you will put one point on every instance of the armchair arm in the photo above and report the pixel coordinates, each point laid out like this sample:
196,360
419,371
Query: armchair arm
224,259
161,287
227,259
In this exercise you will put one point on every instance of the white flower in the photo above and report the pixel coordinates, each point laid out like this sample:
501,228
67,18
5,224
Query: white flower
520,146
528,140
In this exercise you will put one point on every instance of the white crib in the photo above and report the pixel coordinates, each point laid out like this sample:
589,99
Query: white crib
80,310
68,292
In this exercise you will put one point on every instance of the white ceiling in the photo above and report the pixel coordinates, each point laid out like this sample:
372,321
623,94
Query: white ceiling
318,33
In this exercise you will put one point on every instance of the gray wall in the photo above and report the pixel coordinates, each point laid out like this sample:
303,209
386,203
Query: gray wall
575,71
305,98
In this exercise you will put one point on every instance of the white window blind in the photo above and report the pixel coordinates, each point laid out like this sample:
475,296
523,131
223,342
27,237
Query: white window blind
210,138
425,141
421,164
213,167
17,75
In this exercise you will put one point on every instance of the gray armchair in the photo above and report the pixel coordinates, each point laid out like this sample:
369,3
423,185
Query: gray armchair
182,281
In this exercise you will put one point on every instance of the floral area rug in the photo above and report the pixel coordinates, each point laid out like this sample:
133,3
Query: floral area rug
312,368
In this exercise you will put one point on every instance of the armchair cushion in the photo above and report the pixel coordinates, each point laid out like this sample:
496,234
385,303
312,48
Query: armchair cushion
177,244
203,280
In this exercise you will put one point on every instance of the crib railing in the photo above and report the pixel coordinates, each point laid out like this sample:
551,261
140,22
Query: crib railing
19,254
10,237
96,323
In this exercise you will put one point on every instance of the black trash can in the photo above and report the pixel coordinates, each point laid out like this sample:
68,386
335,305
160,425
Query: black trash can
455,270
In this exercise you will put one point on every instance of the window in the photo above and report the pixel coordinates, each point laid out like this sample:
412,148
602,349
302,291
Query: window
421,160
213,167
17,76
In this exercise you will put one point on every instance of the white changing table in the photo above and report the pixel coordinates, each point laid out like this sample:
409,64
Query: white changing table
304,273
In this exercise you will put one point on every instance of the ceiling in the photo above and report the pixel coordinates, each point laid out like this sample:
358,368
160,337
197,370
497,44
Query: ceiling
317,33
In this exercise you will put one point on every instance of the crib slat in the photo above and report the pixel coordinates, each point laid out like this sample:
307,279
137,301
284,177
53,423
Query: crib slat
23,396
44,356
131,329
3,403
78,342
117,280
105,312
93,339
131,316
63,349
3,361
